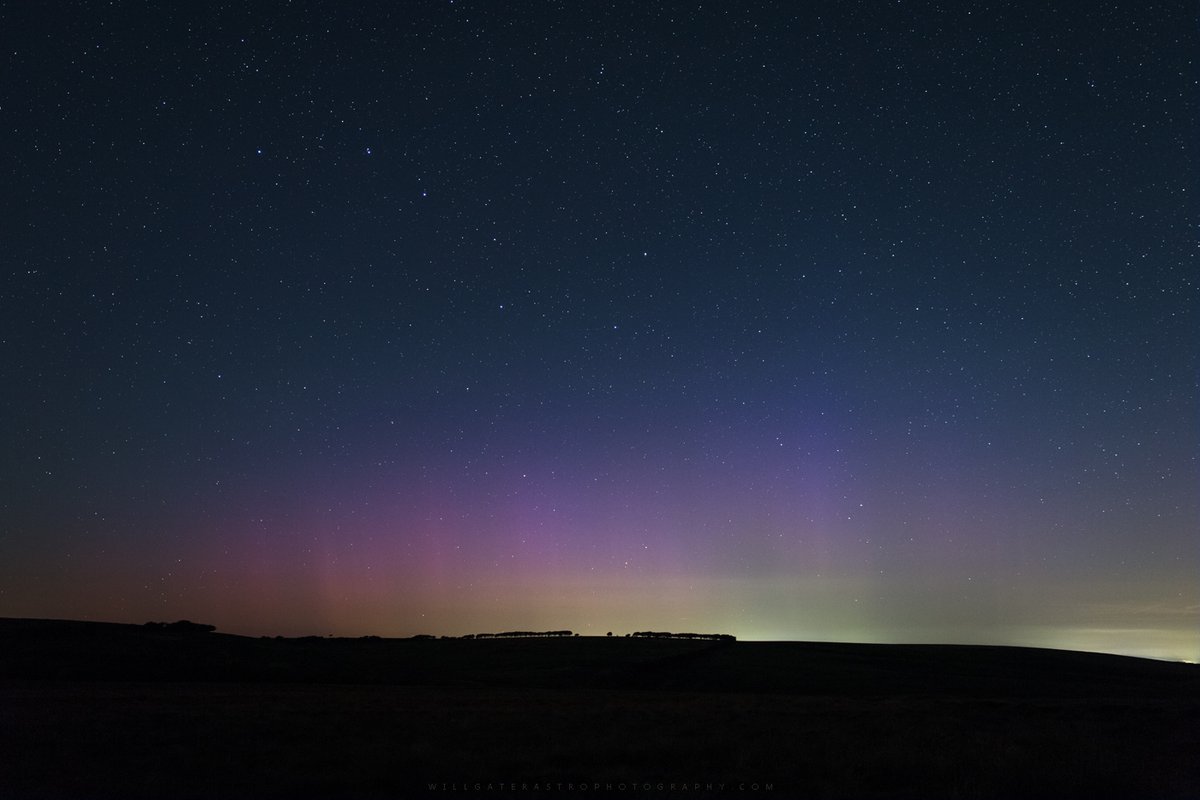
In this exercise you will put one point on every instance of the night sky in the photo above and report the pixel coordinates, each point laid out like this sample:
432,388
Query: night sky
858,321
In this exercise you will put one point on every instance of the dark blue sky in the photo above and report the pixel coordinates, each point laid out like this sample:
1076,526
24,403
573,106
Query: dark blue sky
797,320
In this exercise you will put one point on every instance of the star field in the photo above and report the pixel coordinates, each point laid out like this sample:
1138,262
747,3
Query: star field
857,321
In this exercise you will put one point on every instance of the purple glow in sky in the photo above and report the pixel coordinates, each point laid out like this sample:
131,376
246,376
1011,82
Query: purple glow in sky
848,321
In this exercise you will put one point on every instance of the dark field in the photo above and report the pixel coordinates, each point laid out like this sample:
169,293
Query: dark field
92,710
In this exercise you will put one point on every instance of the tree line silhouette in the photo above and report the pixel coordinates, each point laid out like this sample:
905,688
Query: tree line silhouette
517,634
502,635
712,637
186,626
182,626
715,637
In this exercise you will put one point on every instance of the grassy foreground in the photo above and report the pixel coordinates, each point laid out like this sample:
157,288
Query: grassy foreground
90,710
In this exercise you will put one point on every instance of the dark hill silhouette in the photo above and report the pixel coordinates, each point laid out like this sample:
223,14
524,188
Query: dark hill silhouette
103,710
55,649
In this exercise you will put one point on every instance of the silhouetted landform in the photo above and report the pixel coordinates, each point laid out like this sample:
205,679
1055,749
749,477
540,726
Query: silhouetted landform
104,710
71,650
182,626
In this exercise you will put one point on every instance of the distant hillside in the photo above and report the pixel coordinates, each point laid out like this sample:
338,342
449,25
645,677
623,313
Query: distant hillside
71,650
141,712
